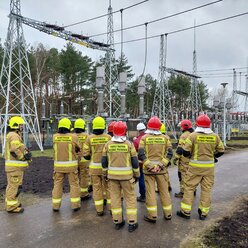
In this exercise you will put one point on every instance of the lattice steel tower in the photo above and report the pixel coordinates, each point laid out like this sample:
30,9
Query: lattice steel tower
111,94
195,105
162,98
16,84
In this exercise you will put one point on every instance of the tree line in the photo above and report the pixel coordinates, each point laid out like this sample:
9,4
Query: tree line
69,76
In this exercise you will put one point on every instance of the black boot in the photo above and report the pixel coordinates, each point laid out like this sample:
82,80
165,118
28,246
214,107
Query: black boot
201,216
118,226
85,198
141,198
100,213
183,215
179,194
132,227
149,220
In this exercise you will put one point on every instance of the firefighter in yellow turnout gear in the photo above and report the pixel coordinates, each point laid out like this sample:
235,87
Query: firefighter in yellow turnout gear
121,167
203,147
17,157
155,151
92,150
66,147
83,165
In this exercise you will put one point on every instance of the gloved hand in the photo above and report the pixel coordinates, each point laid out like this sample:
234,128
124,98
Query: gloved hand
216,160
77,149
13,154
136,179
175,161
28,156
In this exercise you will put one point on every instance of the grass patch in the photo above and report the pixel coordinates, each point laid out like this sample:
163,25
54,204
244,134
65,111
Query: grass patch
45,153
237,142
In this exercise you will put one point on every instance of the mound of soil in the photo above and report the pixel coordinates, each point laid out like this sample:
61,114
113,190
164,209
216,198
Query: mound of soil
38,178
231,231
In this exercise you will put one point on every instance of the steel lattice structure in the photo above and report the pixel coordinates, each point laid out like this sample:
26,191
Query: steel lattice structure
111,94
195,105
162,98
16,83
234,94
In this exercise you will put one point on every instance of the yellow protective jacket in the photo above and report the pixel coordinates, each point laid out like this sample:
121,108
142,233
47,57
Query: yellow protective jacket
14,145
65,152
119,160
93,147
81,140
153,150
203,149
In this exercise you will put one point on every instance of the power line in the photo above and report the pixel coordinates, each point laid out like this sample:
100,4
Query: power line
100,16
160,19
185,29
221,73
237,68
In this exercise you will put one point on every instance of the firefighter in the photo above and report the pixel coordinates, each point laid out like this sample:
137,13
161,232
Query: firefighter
179,160
164,131
83,165
92,150
155,151
110,128
66,147
17,157
202,147
121,167
141,128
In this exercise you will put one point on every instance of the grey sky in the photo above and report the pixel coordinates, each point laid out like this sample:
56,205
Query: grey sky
221,45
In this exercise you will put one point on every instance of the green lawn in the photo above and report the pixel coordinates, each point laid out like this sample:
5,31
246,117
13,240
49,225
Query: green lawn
45,153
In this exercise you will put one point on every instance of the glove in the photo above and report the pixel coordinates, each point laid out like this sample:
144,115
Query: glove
136,179
13,154
175,161
216,160
77,149
28,156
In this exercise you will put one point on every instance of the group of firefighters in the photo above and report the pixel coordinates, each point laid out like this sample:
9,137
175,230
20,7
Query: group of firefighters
113,165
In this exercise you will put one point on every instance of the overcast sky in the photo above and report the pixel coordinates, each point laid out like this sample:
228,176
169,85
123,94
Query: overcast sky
222,45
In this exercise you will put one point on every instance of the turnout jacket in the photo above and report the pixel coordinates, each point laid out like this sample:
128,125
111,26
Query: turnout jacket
119,160
155,150
92,149
81,140
14,153
203,149
65,152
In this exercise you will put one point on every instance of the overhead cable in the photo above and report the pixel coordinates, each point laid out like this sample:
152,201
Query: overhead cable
160,19
100,16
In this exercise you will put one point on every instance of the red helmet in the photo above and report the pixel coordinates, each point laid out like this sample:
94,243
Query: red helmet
203,121
111,126
120,128
154,123
186,124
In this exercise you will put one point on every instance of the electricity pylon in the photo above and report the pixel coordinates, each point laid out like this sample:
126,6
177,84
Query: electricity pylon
16,83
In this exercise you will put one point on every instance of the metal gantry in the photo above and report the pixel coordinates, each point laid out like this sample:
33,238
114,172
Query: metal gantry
16,83
195,105
162,98
234,93
111,94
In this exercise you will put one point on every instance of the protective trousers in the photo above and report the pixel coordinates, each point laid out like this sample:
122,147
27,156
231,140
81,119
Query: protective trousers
195,176
83,168
128,188
57,192
14,179
100,192
151,203
182,170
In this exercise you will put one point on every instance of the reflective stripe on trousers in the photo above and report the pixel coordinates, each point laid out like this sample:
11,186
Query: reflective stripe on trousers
95,165
16,163
65,163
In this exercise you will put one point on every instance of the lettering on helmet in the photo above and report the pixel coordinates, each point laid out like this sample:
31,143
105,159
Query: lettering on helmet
63,139
99,141
118,148
206,139
155,141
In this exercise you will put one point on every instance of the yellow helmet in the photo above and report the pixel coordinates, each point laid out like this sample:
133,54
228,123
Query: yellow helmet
15,122
65,122
163,128
79,123
98,123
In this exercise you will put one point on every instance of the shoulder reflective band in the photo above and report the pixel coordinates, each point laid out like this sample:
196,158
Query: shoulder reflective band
81,139
155,140
118,148
65,163
198,163
63,139
99,140
16,163
206,139
120,170
95,165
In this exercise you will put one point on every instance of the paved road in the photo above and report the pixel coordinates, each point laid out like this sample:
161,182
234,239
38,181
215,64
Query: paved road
38,226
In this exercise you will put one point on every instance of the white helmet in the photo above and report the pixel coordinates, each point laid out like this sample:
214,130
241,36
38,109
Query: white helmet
141,126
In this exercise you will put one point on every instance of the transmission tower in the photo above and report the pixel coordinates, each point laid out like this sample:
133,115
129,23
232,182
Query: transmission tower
162,98
15,79
194,99
234,94
111,94
246,90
